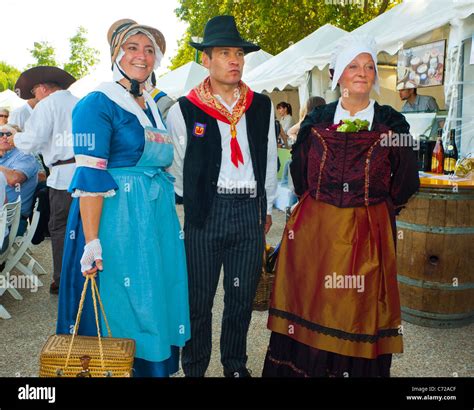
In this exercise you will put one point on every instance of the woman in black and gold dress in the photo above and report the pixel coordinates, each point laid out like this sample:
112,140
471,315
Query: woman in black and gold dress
335,308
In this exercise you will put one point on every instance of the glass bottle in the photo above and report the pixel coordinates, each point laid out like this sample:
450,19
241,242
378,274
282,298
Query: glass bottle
437,157
451,154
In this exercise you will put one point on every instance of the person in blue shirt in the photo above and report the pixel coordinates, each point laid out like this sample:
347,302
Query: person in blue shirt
123,222
21,173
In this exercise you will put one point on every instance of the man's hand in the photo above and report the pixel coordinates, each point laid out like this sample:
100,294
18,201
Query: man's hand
13,177
268,223
42,176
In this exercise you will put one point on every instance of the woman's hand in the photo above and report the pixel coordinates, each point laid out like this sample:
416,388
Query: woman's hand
91,209
92,254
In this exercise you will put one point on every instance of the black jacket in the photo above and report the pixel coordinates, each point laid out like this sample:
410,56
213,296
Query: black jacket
403,163
203,157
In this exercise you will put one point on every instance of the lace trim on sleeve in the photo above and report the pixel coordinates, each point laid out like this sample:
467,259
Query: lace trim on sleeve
78,193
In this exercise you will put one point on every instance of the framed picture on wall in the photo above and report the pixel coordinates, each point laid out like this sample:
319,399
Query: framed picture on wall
421,66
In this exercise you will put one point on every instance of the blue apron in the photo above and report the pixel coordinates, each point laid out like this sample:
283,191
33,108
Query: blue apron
144,283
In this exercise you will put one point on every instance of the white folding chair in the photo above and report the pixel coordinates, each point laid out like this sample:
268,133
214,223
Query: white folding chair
20,248
13,213
3,225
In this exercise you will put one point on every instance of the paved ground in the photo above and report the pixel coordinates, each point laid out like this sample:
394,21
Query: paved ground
428,352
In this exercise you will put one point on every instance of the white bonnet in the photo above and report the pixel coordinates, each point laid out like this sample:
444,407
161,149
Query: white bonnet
348,48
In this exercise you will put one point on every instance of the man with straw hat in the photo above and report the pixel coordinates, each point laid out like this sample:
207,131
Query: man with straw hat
225,168
49,132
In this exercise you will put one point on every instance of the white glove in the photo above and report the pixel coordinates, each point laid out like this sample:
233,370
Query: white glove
92,252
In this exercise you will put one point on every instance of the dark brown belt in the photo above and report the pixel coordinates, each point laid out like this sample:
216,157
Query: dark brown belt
66,161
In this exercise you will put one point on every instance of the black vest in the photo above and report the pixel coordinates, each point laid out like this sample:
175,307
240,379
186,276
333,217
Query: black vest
202,161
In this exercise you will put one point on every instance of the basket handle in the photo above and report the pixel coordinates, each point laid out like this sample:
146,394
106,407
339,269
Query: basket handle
95,294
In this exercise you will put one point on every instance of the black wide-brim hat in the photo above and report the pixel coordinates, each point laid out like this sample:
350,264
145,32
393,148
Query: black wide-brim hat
41,75
221,31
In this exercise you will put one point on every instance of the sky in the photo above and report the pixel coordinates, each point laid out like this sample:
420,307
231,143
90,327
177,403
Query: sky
55,21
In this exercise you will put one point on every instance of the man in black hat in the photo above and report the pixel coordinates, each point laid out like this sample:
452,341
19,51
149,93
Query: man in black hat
49,132
225,168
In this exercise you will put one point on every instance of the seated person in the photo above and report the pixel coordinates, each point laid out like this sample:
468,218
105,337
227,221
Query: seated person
42,173
415,102
21,173
4,114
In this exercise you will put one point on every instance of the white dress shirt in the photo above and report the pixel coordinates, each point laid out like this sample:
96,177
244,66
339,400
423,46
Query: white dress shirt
365,114
49,132
229,175
20,115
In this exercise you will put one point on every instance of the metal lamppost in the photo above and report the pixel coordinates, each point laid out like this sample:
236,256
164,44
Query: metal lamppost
196,54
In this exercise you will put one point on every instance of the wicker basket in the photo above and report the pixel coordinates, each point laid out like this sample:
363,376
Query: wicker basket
87,356
265,285
118,356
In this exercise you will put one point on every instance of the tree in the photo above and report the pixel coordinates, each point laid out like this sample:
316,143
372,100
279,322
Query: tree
44,54
275,24
8,76
82,57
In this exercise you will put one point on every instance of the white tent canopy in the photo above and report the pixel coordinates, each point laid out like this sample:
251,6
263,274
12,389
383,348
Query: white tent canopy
291,66
10,100
413,18
91,81
180,81
416,22
420,17
253,60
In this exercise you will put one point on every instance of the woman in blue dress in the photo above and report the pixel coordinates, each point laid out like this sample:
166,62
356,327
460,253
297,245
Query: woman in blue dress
123,220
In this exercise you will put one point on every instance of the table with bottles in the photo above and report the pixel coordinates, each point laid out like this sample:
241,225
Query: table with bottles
432,180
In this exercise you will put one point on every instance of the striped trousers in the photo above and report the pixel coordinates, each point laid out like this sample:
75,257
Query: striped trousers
232,237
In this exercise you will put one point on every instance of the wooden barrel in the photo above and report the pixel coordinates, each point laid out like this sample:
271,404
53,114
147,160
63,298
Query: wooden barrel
435,257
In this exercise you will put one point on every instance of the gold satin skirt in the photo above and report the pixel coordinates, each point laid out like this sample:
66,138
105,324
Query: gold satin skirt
336,280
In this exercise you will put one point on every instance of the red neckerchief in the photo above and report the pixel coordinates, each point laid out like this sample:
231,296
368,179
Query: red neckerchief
202,97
